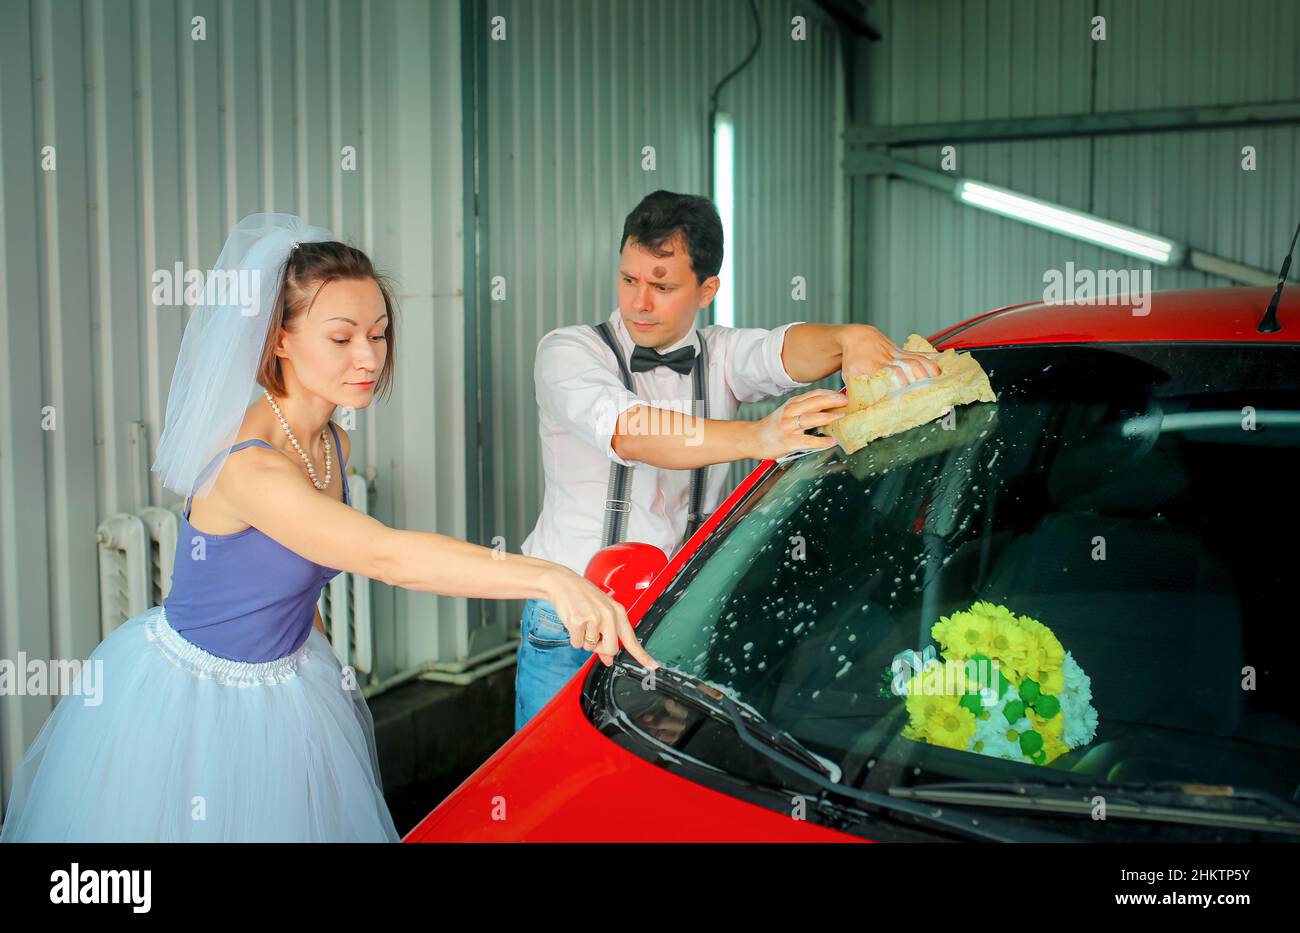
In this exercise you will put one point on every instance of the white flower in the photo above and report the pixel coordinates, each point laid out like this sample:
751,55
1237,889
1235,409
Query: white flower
1080,728
1078,685
993,734
1080,725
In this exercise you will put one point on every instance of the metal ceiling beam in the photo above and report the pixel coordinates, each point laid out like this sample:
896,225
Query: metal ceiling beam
1180,119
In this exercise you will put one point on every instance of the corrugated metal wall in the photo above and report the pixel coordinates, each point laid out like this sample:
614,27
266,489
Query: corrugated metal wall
923,261
573,94
162,143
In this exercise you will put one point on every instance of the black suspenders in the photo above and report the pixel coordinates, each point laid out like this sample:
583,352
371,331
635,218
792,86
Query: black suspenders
617,504
698,476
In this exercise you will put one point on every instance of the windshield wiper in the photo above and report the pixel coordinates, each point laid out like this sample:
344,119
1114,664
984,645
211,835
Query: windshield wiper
1190,804
783,749
704,694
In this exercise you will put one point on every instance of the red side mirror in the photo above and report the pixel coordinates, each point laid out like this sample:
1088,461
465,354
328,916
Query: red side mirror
624,571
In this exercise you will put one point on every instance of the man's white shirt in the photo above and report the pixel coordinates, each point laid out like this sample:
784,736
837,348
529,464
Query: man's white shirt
580,395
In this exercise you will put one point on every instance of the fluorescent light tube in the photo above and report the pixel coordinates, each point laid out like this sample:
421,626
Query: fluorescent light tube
724,308
1069,222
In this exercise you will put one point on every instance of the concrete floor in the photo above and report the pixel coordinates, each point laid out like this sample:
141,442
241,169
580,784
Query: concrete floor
431,736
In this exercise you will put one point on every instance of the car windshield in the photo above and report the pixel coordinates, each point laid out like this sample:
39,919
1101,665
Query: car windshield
1122,504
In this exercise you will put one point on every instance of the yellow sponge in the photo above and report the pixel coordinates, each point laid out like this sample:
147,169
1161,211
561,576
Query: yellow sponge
881,405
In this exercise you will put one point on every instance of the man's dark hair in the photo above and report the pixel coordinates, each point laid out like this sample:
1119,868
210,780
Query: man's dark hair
662,214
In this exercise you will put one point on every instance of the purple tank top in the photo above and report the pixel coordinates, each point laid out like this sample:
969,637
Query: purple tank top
244,596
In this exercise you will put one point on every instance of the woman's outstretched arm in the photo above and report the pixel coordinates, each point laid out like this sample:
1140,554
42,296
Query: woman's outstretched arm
266,490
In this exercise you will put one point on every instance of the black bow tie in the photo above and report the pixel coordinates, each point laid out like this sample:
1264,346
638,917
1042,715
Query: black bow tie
679,361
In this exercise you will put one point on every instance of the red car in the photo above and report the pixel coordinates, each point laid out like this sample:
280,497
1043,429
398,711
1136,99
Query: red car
1164,440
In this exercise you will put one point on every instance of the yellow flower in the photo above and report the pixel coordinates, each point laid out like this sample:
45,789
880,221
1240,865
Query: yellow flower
921,707
1011,645
991,630
1053,682
1047,727
1053,748
941,720
1045,653
1050,730
961,634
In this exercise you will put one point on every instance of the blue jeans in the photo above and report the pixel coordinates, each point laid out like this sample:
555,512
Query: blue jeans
546,659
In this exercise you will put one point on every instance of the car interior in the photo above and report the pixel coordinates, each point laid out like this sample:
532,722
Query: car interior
1149,553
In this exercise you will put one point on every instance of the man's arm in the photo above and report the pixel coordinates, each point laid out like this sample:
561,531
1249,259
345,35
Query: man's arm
814,351
674,441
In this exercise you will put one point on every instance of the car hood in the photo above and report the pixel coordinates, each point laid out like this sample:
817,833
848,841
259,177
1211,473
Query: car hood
560,780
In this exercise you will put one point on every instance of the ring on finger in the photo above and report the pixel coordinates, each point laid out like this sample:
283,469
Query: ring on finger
798,421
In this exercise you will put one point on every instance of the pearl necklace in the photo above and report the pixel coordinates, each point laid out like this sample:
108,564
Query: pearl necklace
311,468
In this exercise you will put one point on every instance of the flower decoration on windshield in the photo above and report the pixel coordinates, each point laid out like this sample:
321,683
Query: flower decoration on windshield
1004,687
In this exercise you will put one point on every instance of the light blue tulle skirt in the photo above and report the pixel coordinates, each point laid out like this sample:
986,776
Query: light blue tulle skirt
184,745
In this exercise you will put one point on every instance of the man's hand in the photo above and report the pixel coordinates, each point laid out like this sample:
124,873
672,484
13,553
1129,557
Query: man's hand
782,432
814,351
865,348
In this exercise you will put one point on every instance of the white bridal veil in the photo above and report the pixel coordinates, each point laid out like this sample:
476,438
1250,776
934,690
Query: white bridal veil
215,377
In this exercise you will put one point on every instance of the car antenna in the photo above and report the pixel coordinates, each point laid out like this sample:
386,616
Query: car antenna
1269,324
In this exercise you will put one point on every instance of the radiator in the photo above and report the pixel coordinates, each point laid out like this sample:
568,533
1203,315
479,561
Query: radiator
136,553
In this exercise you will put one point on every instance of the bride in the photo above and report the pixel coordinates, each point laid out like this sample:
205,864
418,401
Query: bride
223,714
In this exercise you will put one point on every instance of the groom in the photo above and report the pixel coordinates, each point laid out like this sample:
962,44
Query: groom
623,457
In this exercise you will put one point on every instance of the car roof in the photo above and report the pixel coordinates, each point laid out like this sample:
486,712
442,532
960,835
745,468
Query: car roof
1203,314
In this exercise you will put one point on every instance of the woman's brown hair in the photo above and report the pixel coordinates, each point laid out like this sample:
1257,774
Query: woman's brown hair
309,268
